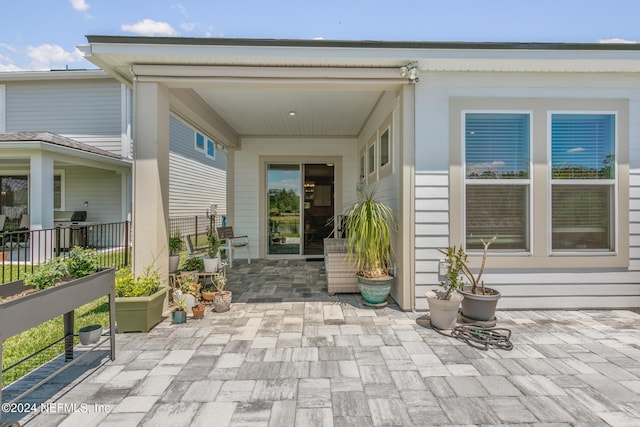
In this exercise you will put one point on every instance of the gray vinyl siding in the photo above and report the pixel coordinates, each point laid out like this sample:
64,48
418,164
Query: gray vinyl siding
101,188
89,111
538,288
195,180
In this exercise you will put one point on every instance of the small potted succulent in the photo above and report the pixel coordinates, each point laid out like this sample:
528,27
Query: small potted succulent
179,311
221,296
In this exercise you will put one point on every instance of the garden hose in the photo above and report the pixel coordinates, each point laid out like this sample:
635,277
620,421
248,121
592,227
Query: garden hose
480,337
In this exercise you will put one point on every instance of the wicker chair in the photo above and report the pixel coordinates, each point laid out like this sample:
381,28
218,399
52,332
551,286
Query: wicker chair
341,274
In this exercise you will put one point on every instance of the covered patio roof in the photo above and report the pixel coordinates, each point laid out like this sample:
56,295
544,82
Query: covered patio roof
15,146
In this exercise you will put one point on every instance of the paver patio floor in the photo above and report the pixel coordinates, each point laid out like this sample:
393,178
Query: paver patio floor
277,359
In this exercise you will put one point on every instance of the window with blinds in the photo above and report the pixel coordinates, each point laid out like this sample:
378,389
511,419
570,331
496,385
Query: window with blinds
497,155
582,149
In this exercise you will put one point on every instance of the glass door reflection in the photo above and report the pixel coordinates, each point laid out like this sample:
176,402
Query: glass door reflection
283,187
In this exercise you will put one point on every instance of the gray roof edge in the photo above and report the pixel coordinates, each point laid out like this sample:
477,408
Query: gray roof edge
55,139
366,44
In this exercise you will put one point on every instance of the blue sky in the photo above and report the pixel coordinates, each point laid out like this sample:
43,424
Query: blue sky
43,34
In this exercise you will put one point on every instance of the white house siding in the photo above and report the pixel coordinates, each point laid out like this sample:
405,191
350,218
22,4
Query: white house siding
195,180
89,111
521,289
247,188
387,188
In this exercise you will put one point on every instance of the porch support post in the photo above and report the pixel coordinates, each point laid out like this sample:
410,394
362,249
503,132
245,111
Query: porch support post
41,191
406,217
41,206
151,178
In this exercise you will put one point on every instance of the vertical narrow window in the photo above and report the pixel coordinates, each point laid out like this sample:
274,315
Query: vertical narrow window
385,147
362,168
582,182
57,192
371,163
497,180
211,149
199,141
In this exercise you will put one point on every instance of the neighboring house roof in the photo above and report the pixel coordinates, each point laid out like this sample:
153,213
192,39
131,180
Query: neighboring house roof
54,140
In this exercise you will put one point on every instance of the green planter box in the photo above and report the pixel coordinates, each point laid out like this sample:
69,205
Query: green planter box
139,314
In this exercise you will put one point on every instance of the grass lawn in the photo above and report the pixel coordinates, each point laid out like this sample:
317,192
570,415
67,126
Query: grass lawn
22,345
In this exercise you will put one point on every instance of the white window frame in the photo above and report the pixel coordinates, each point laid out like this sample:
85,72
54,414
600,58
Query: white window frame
613,183
528,182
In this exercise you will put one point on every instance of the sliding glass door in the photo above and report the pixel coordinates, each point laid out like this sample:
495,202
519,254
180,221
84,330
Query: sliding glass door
300,204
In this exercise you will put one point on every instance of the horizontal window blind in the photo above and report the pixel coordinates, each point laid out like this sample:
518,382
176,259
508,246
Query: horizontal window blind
497,146
497,209
582,146
581,216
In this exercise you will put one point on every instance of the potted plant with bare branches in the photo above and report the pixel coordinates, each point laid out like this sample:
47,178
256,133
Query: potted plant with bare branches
479,303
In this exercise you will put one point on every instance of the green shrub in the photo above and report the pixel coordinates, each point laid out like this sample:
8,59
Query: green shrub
140,286
83,262
175,244
48,274
192,264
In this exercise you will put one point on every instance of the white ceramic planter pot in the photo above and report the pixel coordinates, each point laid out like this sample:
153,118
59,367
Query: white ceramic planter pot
443,313
211,265
90,334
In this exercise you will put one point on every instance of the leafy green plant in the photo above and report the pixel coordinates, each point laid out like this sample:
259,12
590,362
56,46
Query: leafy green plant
82,262
219,283
142,285
369,225
214,244
48,274
457,262
192,264
175,243
455,258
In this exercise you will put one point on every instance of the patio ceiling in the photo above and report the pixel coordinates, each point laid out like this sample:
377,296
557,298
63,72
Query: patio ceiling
253,89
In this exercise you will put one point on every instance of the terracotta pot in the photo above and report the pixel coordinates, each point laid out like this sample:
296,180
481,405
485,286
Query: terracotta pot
222,301
198,311
207,295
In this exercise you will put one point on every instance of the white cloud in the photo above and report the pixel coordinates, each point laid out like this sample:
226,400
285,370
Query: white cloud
47,56
79,5
187,26
6,64
617,41
149,27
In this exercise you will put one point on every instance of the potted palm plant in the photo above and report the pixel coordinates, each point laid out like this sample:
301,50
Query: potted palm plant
369,225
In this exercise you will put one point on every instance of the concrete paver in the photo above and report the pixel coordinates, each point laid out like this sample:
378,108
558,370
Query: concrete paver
320,361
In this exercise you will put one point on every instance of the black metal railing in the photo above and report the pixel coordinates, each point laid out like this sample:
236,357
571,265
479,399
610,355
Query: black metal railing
196,225
23,250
